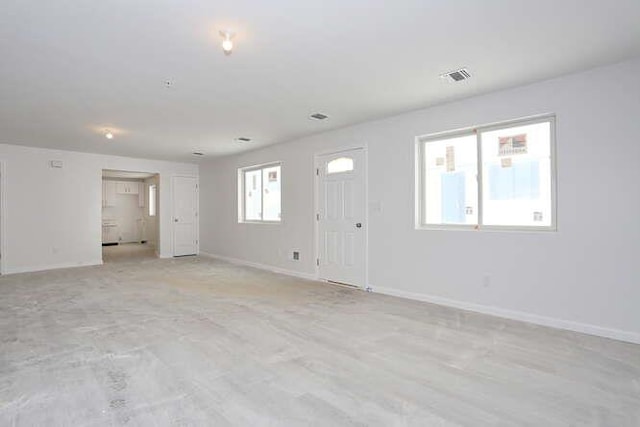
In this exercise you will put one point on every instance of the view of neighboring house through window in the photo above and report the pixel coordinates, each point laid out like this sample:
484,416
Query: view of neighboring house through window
494,176
260,193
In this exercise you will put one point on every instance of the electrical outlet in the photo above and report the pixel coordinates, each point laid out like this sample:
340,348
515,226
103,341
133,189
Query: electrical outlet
296,256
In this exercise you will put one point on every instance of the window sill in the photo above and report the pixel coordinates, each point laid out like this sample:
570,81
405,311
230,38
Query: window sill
261,222
487,228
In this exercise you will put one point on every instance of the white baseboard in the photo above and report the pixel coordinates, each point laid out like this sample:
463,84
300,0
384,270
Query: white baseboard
585,328
30,269
260,266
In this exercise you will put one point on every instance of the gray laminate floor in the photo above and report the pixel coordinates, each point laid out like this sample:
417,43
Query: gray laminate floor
198,342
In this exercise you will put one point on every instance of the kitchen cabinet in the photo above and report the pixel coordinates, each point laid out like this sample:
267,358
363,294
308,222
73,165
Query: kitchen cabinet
123,187
109,233
108,193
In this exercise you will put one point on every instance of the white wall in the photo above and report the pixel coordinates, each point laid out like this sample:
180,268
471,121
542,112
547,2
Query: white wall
53,216
584,277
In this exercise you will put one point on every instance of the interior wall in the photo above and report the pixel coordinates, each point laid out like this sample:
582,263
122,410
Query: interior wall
53,215
582,277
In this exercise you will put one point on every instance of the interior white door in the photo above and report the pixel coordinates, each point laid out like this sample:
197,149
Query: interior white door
341,217
185,216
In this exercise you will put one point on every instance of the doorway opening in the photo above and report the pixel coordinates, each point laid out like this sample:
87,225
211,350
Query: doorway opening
130,216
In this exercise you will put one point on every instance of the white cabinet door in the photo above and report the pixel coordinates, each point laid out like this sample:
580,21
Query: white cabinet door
122,187
109,234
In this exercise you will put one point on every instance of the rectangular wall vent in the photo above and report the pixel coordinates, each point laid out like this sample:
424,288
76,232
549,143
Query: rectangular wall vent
457,75
318,116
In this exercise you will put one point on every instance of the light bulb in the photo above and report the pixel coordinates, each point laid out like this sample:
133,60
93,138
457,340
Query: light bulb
227,45
108,135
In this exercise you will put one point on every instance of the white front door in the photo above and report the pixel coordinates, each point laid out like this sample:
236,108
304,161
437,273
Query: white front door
341,217
185,215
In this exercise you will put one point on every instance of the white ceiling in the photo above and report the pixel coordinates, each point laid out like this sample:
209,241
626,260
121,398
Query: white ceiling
71,69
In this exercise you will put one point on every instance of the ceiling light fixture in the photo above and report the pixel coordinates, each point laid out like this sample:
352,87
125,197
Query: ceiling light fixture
108,134
227,43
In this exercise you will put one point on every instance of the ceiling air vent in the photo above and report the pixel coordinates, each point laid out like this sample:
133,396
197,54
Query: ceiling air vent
457,75
243,139
197,153
318,116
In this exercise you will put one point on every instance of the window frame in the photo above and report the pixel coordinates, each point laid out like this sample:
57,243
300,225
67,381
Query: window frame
241,193
420,147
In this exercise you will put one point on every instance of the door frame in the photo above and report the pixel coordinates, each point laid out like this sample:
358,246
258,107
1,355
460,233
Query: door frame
173,229
316,208
3,216
158,207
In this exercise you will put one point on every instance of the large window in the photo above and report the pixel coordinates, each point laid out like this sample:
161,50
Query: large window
259,193
499,176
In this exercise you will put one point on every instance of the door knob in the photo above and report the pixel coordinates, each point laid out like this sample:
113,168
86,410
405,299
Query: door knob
358,225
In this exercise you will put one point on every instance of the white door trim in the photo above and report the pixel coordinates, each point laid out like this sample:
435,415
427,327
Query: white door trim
316,207
3,216
197,178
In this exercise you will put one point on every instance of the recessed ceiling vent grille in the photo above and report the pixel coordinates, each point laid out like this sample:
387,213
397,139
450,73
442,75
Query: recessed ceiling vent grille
457,75
243,139
318,116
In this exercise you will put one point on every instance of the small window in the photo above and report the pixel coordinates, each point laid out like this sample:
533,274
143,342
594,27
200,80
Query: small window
259,193
152,199
498,176
342,164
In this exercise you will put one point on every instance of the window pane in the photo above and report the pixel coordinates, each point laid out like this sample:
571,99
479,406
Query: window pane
152,200
516,180
450,188
342,164
271,193
253,195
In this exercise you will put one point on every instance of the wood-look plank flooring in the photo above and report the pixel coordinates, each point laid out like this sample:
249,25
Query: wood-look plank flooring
200,342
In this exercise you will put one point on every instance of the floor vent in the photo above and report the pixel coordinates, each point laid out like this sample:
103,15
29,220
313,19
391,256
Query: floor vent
345,285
